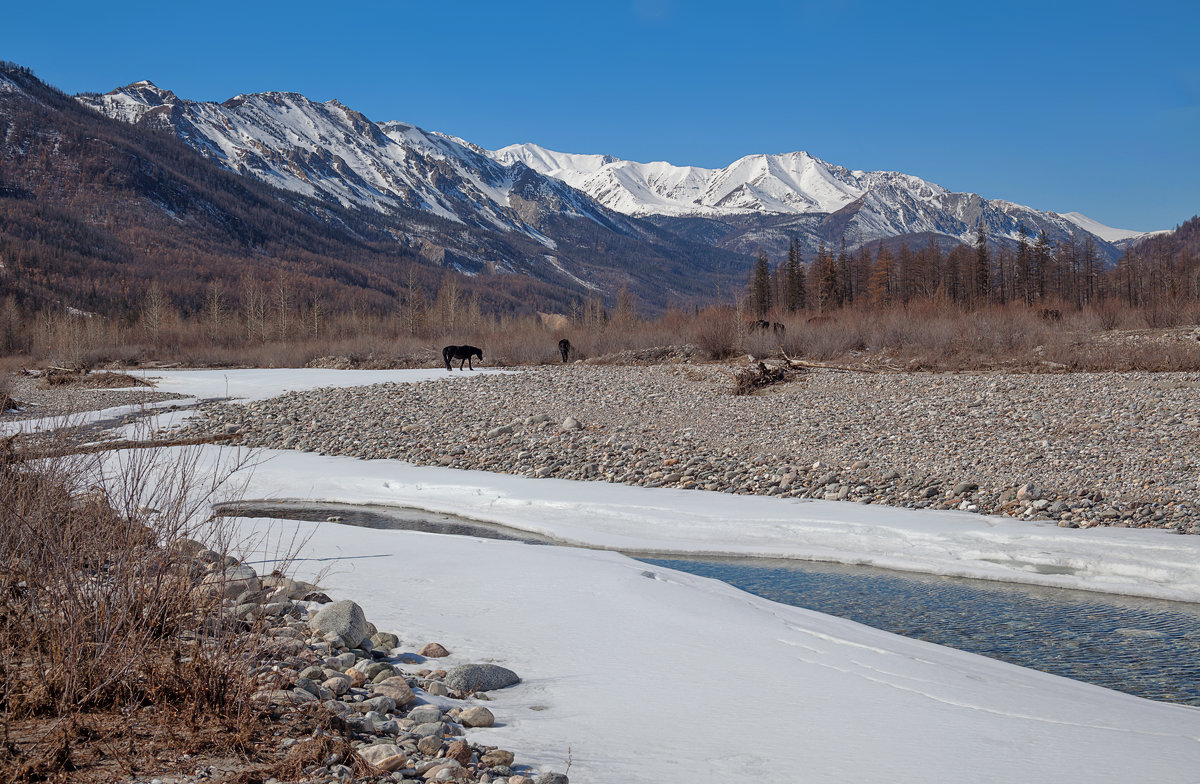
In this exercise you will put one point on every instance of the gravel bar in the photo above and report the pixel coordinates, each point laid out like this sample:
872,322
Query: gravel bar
38,401
1085,449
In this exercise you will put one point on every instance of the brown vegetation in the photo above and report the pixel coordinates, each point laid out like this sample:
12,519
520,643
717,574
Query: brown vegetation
110,659
920,334
63,377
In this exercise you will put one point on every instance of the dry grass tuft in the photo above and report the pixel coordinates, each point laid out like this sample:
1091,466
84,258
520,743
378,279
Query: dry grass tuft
304,756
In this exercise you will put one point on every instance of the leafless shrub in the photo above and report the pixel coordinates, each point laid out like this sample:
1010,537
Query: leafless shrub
933,333
7,401
101,612
716,331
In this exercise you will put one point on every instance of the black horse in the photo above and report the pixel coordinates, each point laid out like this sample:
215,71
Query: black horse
564,348
461,353
763,326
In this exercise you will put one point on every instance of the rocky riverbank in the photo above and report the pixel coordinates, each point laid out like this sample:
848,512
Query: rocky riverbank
36,399
394,714
1082,449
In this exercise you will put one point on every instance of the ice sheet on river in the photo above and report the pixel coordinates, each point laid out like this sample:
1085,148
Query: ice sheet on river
1151,563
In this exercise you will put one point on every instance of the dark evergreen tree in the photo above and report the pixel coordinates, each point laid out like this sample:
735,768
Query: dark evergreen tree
845,278
796,283
760,287
983,266
1045,278
1025,288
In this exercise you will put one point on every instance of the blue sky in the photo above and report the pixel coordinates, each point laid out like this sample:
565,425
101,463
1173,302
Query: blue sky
1062,106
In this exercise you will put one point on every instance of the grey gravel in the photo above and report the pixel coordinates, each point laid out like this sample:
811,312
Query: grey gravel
1103,448
38,401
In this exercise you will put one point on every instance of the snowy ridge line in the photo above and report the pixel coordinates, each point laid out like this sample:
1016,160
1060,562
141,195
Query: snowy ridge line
328,150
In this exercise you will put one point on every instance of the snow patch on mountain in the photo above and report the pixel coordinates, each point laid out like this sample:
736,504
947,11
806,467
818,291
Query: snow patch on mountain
1106,233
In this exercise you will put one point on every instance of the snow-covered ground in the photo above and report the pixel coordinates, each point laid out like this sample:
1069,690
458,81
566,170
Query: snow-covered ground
247,384
88,417
641,674
1151,563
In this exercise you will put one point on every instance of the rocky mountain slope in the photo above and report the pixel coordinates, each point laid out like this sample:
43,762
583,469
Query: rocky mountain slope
93,209
759,202
456,206
764,200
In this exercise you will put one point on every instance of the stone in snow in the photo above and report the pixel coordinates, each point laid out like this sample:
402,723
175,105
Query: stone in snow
345,619
480,677
476,716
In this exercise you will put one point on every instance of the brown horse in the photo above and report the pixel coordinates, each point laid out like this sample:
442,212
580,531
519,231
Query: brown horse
564,348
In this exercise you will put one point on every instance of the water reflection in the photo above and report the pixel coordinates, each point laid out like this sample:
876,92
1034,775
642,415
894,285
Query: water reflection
1140,646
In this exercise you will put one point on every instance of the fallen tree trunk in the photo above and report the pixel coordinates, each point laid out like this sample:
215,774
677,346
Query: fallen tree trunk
806,365
9,453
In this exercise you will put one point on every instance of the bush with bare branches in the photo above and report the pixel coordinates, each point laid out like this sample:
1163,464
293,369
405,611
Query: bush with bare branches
104,609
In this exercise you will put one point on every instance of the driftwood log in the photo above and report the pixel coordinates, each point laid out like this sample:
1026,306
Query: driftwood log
800,363
10,453
748,380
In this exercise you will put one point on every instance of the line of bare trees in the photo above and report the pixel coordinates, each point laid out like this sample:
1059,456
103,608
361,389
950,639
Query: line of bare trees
1035,270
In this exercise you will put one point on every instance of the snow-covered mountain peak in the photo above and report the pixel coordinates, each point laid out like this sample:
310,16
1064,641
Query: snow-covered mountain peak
798,185
331,151
131,102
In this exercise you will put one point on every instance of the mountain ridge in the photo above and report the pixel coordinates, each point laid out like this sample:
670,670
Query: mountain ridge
881,204
767,200
512,218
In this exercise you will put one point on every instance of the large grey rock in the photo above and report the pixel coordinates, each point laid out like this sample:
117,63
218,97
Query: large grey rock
345,619
384,756
476,716
381,703
384,641
496,758
433,728
231,582
395,687
480,677
425,714
371,669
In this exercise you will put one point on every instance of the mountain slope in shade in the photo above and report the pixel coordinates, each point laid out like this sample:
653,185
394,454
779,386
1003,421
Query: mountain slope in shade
328,150
758,194
445,198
